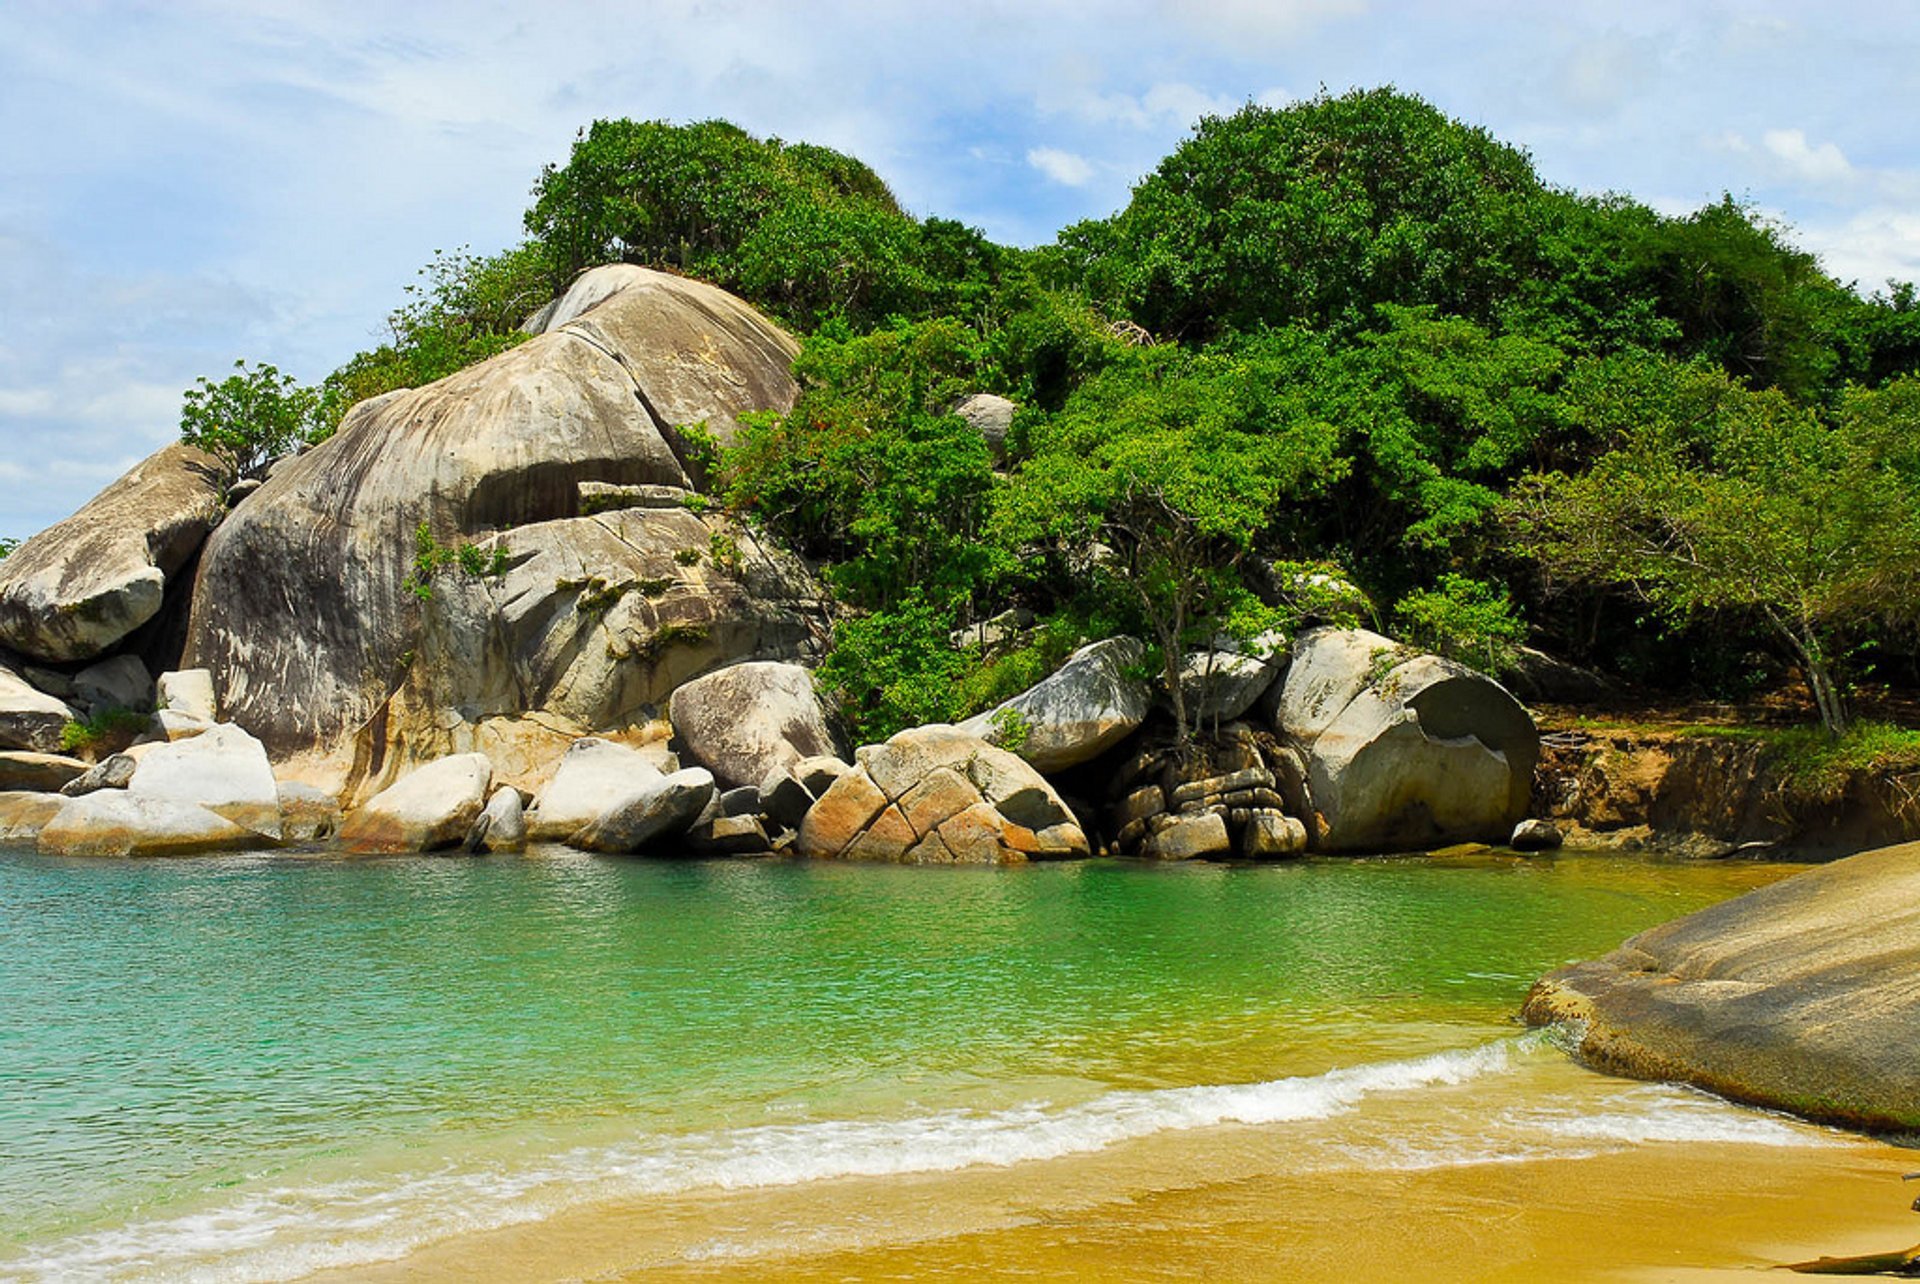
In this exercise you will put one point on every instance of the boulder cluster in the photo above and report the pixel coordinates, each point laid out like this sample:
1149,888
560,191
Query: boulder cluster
496,609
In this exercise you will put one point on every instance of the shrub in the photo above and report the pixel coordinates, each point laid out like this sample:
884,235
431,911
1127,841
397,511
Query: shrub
249,417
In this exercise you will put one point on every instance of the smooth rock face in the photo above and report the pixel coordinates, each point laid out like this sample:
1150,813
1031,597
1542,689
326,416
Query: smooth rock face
23,813
592,776
115,822
189,692
1404,753
307,814
1079,712
119,683
1271,834
29,718
316,645
1800,996
1220,685
1185,837
222,769
747,719
502,826
83,584
656,810
23,771
935,795
990,416
430,808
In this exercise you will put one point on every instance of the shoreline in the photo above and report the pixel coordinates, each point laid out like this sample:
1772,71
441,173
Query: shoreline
1710,1211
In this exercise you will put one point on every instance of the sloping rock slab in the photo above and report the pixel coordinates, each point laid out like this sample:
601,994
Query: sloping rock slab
30,772
1803,996
113,822
83,584
746,720
430,808
1088,705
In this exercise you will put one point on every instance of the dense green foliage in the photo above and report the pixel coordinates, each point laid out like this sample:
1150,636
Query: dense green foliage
249,417
1348,341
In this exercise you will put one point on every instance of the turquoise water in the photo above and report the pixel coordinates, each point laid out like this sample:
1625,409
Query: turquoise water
246,1067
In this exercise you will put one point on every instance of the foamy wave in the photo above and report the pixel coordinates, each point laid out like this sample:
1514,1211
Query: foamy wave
288,1232
1674,1114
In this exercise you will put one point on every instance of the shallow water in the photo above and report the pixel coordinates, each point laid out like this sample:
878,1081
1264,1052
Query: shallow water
254,1067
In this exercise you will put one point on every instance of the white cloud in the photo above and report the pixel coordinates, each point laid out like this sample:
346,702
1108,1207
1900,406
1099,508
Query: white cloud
1805,161
1871,247
1061,167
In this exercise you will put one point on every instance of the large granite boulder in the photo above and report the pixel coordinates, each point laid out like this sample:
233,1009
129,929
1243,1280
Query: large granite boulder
222,769
29,717
592,776
1800,996
115,822
325,639
651,811
747,719
1404,750
82,585
428,809
936,796
1091,703
989,415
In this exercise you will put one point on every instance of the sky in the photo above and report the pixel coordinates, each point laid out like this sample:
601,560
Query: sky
187,183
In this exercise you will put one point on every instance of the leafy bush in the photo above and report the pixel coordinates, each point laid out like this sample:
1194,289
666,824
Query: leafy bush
249,417
110,730
1466,620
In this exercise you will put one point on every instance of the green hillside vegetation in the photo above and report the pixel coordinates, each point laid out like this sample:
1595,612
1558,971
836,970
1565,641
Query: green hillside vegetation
1350,340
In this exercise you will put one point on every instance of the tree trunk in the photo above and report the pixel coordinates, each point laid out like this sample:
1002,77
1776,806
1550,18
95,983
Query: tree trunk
1806,647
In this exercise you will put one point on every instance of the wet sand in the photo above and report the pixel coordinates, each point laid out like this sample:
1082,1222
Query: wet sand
1222,1204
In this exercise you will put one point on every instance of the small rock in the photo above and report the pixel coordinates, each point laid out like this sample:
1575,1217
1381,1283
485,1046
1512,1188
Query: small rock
120,683
243,488
1190,836
113,773
730,836
817,774
429,808
188,691
785,799
744,801
501,826
1269,834
1535,836
605,497
169,725
30,718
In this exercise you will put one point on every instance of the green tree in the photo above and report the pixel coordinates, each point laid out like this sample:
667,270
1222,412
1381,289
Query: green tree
1464,619
1715,498
249,417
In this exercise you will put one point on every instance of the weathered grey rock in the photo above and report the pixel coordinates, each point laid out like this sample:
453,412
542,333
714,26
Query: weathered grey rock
818,774
605,497
1091,703
115,822
1187,837
658,810
55,683
121,682
784,799
1270,834
222,769
1535,836
501,826
307,813
990,416
23,771
300,609
243,488
189,692
429,808
1539,676
743,801
114,772
30,718
1223,682
592,776
996,633
23,812
1422,752
981,804
744,720
1800,996
730,836
83,584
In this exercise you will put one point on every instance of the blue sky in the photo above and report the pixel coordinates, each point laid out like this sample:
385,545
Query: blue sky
186,183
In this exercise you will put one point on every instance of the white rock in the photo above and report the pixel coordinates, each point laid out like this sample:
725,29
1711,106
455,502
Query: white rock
30,718
1091,703
189,692
502,826
431,807
593,775
222,769
115,822
656,810
744,720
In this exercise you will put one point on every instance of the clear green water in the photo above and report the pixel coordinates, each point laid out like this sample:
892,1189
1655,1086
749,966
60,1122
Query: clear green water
245,1067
